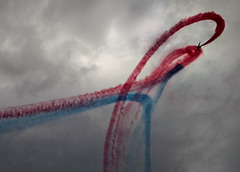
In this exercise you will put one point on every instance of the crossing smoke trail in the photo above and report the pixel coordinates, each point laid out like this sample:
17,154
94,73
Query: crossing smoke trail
124,114
113,142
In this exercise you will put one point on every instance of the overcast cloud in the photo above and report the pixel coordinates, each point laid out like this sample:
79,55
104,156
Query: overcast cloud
59,48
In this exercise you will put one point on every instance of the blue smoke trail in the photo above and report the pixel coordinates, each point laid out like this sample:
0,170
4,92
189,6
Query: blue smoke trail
146,118
11,124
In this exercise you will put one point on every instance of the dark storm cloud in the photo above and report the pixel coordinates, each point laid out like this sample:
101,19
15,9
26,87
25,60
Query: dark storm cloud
27,26
91,19
24,64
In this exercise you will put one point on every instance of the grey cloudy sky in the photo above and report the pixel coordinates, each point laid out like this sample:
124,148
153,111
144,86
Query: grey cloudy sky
59,48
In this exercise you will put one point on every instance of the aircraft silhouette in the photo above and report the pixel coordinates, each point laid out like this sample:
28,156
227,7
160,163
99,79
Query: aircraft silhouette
199,46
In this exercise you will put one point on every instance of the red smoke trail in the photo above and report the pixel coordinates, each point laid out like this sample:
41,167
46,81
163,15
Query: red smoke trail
115,142
112,147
